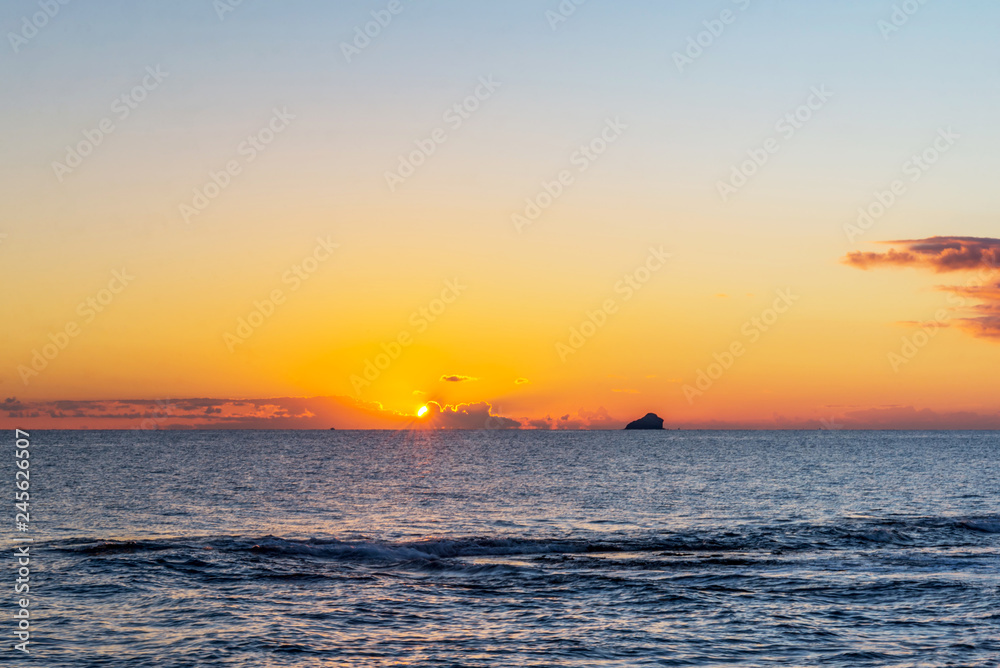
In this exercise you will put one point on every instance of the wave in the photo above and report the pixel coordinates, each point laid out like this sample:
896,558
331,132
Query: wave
986,525
867,533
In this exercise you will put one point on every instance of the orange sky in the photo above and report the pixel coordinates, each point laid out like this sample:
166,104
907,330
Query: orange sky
510,220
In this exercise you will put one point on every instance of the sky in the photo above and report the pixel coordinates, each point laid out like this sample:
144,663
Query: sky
734,214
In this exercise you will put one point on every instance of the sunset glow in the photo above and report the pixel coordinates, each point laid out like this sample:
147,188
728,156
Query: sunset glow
249,249
533,332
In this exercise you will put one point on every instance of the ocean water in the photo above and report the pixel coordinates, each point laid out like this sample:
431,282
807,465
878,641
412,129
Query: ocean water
498,548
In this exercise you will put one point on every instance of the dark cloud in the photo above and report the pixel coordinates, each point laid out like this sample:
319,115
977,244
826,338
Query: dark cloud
277,413
199,405
456,379
979,300
12,405
984,319
941,254
346,413
271,413
985,327
466,416
287,413
81,405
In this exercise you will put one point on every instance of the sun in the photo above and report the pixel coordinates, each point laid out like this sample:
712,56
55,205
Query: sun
422,411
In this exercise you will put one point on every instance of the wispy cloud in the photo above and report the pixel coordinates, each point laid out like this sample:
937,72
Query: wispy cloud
950,254
984,321
941,254
270,413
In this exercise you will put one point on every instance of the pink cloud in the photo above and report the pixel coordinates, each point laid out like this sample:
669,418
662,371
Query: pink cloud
941,254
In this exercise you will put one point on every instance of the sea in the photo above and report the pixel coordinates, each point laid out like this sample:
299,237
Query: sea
508,548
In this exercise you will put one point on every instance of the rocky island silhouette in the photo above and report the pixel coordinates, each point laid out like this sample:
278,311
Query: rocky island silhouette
648,421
